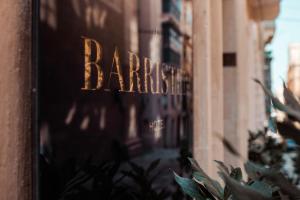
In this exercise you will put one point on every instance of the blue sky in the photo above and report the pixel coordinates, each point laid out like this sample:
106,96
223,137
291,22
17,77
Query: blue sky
287,31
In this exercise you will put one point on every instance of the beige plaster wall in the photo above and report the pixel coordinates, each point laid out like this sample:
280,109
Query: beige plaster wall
15,106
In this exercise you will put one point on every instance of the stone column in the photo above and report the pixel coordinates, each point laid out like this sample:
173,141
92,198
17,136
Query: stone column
231,99
217,81
236,78
15,106
202,99
243,78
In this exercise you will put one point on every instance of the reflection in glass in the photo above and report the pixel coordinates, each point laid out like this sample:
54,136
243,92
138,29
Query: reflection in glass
107,143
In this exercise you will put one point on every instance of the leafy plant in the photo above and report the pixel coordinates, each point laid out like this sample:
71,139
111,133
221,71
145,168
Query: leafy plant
266,148
263,184
96,181
144,179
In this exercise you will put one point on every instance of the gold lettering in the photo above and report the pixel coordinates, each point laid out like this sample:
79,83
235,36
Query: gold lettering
165,83
88,64
163,78
133,70
157,77
118,72
147,73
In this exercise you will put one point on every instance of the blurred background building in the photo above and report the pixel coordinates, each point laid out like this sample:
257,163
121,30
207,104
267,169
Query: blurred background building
165,34
268,79
293,77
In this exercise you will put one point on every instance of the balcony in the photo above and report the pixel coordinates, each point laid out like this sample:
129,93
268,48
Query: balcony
262,10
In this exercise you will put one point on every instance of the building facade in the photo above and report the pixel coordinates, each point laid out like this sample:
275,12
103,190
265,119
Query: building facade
219,46
231,36
293,78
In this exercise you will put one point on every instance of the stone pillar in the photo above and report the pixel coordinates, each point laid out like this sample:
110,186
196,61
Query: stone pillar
217,81
243,78
230,78
202,84
236,80
15,106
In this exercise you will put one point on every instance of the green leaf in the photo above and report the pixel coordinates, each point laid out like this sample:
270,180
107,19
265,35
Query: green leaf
243,192
290,99
289,130
136,168
227,192
206,193
229,146
285,186
194,164
211,185
189,187
153,165
222,166
262,187
254,171
237,174
278,105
